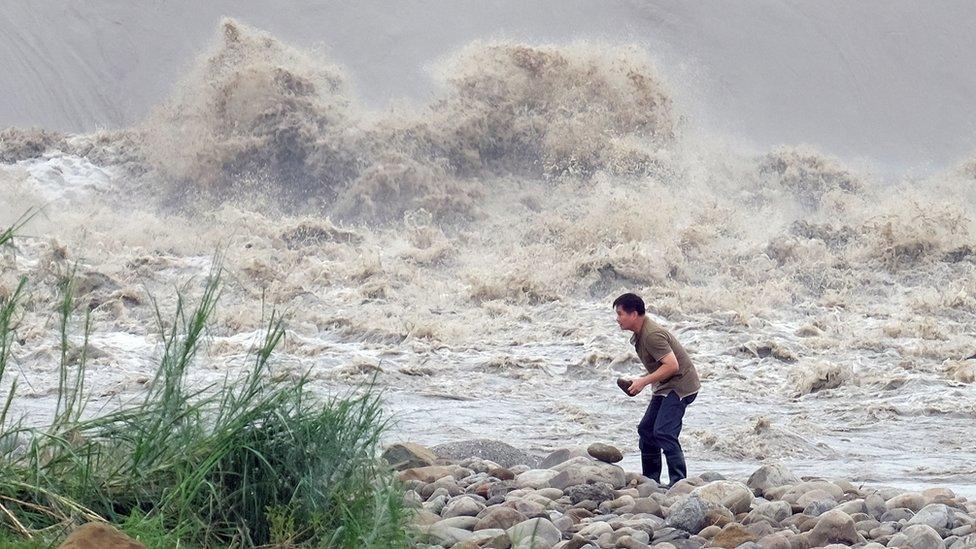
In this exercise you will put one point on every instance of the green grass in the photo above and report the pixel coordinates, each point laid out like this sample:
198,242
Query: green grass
255,460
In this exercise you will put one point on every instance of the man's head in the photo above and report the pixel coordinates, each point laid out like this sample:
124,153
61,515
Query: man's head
630,312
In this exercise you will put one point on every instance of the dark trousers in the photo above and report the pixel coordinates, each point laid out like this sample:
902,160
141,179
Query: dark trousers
659,430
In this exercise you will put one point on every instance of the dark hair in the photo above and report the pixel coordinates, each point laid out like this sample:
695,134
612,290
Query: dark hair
630,303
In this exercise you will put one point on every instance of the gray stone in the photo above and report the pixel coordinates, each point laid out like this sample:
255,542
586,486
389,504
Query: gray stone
918,536
535,478
587,471
908,500
734,496
493,450
499,518
936,515
462,522
562,455
445,535
597,492
834,527
408,455
689,514
897,514
770,476
776,510
464,506
533,533
605,452
819,507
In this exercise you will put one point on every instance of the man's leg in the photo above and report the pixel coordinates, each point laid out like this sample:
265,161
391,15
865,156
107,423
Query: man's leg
667,427
649,448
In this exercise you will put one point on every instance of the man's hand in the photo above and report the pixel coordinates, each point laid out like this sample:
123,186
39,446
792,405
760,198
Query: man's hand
637,386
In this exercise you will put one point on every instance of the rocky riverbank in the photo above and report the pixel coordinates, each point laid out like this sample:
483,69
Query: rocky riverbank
488,494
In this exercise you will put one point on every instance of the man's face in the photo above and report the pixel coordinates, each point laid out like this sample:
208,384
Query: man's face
626,321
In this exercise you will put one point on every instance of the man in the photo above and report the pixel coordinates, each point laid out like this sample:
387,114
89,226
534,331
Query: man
674,382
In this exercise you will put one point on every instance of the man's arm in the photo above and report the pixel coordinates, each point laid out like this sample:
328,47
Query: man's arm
669,367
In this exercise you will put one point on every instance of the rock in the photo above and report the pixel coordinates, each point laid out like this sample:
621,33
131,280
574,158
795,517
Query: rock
853,507
875,506
796,492
775,541
534,533
819,507
918,536
412,500
501,473
936,515
96,535
464,506
938,495
646,506
776,510
834,527
908,500
528,508
629,542
490,537
605,453
535,478
423,517
689,514
428,474
499,517
597,492
447,536
586,471
770,476
561,455
897,514
595,529
408,455
493,450
734,496
463,522
732,536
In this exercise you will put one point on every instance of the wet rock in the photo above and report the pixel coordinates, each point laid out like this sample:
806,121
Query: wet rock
408,455
689,514
534,533
427,474
897,514
501,473
734,496
776,510
462,522
96,535
605,453
834,527
770,476
597,492
732,536
493,450
446,536
918,536
818,507
463,506
562,455
586,471
499,518
909,500
936,515
794,494
535,478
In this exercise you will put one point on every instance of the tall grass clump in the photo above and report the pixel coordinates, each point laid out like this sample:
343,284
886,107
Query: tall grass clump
254,460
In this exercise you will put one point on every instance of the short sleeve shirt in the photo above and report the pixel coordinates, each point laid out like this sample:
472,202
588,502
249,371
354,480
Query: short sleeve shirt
652,344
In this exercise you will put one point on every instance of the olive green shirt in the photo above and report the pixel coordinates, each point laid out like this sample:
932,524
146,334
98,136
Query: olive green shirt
652,344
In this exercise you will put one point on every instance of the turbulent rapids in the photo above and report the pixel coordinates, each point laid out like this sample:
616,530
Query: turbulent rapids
465,251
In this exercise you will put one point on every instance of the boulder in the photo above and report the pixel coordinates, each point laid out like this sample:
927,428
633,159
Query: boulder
497,451
97,535
499,517
834,527
734,496
408,455
534,533
605,453
732,536
587,471
770,476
